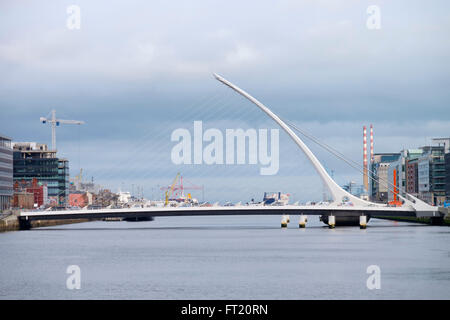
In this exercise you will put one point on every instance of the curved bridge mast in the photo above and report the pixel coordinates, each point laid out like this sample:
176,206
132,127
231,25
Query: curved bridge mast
338,194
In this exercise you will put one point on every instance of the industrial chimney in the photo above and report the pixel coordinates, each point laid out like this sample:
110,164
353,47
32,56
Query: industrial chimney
371,144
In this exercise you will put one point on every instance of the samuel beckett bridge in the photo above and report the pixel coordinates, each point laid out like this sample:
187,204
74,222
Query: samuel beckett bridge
335,213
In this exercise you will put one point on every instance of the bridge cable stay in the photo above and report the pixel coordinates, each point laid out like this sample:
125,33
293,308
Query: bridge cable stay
142,142
108,172
333,151
339,155
338,193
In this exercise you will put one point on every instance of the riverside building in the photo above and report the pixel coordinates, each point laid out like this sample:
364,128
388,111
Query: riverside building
34,160
6,172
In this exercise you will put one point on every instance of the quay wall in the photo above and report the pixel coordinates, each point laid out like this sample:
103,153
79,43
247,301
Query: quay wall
10,222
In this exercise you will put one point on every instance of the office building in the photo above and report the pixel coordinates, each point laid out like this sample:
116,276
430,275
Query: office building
379,167
412,177
431,175
357,190
34,160
6,172
447,176
37,189
397,173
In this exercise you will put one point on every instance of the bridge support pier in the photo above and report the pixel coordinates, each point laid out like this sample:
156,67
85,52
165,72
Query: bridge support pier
24,223
362,222
284,221
331,222
302,222
437,221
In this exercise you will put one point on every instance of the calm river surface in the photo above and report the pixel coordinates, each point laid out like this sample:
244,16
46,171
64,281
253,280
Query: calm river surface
226,258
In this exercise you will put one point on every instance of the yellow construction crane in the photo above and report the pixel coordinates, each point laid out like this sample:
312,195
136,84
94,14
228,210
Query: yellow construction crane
166,202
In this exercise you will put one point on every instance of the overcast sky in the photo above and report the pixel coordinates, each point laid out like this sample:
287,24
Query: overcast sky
137,70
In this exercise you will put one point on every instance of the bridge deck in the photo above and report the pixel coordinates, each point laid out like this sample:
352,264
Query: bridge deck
210,211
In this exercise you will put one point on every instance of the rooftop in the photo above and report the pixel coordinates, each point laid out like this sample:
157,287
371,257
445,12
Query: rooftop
2,136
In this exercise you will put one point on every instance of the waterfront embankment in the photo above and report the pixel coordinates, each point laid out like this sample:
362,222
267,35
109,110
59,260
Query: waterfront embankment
445,221
9,221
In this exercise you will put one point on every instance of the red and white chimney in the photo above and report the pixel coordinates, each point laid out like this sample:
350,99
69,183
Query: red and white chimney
371,143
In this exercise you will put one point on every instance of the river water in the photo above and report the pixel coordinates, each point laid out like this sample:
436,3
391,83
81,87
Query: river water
226,257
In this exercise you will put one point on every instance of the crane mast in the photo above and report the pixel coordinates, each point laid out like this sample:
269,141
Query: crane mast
166,202
55,123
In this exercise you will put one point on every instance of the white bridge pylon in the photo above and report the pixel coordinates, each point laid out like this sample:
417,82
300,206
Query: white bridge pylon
338,194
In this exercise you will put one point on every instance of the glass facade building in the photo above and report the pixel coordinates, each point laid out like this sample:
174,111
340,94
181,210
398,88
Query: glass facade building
380,165
33,160
431,175
447,176
6,172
